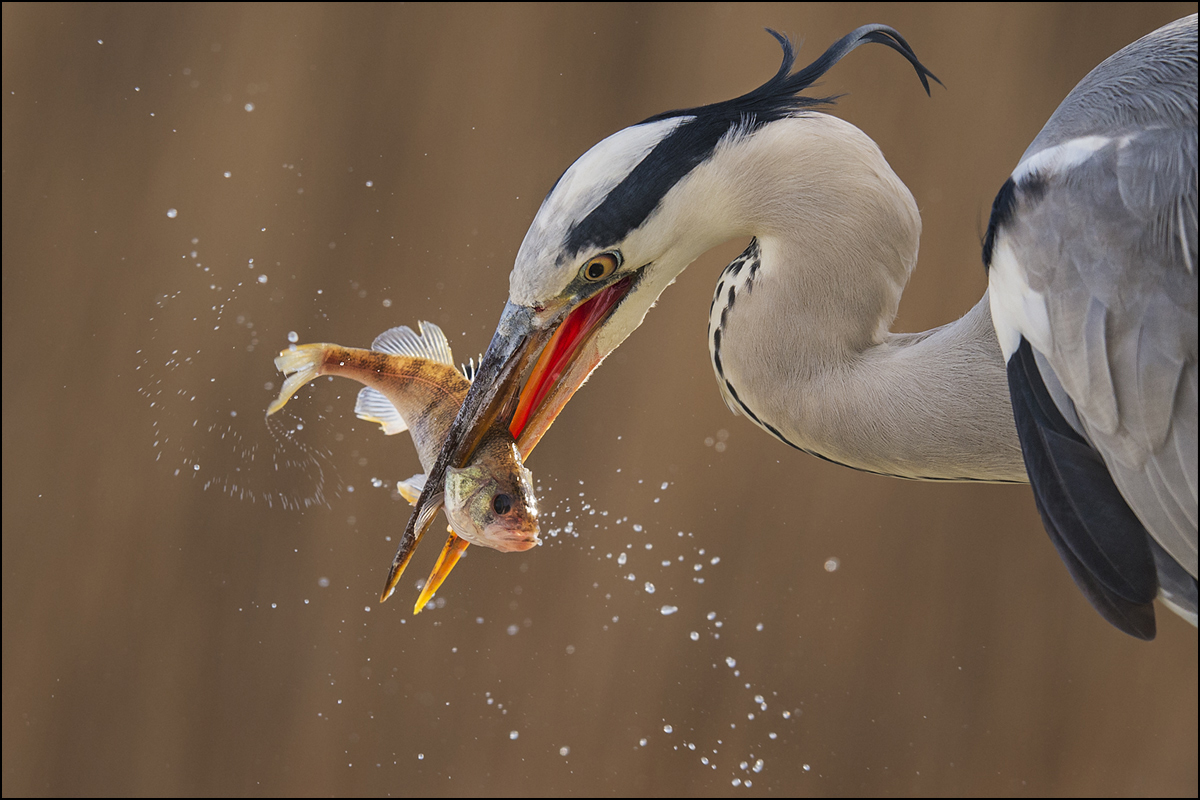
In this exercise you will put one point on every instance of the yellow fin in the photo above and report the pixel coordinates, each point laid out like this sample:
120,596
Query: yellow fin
373,406
301,363
411,489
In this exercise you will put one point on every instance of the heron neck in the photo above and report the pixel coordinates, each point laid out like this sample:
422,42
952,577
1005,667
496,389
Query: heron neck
805,343
931,405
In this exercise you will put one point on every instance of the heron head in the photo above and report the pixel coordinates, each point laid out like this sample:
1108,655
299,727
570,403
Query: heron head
617,228
613,232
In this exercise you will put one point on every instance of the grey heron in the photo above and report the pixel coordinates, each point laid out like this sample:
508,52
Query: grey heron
1076,371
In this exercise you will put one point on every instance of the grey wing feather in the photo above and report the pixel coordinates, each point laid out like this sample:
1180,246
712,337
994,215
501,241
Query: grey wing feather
1135,89
1111,243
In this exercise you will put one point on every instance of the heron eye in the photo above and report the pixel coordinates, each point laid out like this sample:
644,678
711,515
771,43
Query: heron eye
502,504
600,267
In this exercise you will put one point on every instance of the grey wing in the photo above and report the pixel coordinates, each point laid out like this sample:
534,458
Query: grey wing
1092,252
1108,245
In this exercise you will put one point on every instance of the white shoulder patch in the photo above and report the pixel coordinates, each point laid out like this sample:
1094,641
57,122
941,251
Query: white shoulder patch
1060,158
1017,310
429,344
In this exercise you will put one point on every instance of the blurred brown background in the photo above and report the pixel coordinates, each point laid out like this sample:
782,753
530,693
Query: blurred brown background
383,164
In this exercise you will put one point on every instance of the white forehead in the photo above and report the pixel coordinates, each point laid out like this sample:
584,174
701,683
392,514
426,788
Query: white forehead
581,188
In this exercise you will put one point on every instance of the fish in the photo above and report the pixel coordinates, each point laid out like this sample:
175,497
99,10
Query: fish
410,383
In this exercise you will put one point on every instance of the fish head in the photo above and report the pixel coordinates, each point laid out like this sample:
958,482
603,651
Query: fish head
490,501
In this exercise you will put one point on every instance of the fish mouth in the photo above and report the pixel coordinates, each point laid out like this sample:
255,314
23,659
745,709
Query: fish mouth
534,365
509,541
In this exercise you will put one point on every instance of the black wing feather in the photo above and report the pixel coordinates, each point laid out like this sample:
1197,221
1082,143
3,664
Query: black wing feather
1099,538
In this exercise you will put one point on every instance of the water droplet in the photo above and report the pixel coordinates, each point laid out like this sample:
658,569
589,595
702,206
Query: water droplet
666,729
513,734
667,611
172,213
832,564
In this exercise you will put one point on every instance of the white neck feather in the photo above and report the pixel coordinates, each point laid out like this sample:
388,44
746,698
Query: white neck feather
806,344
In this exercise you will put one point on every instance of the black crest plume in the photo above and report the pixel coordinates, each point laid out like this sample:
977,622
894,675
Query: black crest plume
631,201
779,97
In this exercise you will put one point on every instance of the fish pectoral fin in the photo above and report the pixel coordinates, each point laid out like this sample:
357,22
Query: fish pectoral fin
431,509
373,406
411,489
451,553
301,364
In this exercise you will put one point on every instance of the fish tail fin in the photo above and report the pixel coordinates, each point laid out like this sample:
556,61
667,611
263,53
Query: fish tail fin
301,363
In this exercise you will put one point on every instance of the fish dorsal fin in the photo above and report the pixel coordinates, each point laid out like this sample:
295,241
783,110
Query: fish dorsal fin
468,368
429,344
373,406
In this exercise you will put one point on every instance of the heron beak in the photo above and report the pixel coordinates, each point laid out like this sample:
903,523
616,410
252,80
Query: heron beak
515,344
451,553
565,363
507,391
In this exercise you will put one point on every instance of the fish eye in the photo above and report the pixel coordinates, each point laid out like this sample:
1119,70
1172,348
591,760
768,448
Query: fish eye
600,267
502,503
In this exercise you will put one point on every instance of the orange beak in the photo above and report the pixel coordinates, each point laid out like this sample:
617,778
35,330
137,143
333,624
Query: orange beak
566,352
